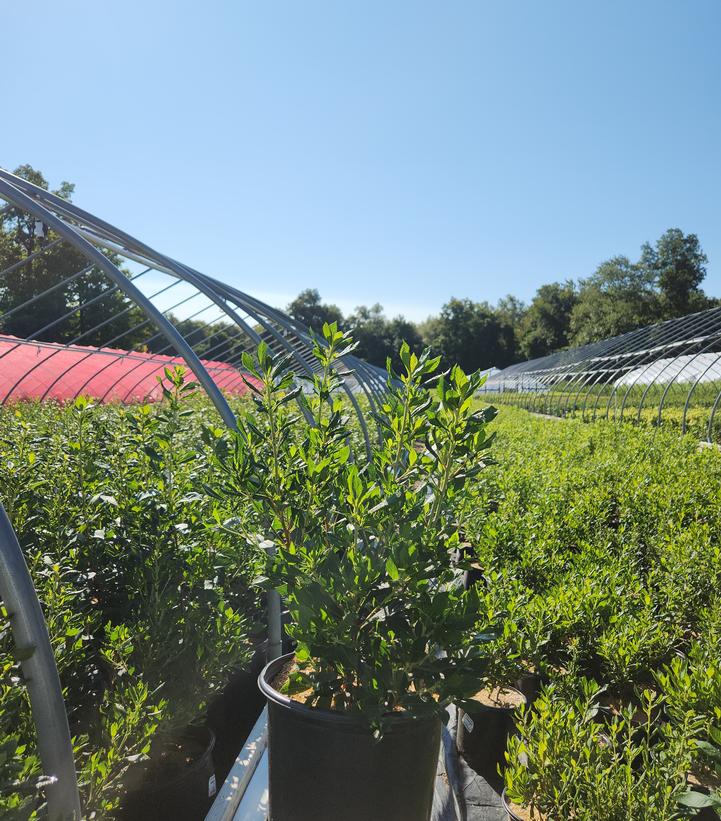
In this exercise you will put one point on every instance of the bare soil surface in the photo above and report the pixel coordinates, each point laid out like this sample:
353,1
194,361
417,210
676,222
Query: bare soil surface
504,698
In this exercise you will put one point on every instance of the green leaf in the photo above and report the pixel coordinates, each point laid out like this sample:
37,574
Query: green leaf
391,569
696,800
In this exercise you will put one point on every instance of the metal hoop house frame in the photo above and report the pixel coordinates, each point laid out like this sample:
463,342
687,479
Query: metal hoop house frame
154,290
667,373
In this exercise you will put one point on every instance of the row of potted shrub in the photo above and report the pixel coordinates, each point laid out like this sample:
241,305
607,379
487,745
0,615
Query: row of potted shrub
363,553
586,559
148,597
599,544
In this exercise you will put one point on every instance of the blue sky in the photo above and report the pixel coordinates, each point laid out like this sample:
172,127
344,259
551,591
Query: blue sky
389,152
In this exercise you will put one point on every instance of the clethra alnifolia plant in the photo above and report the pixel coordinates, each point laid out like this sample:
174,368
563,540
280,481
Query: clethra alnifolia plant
364,548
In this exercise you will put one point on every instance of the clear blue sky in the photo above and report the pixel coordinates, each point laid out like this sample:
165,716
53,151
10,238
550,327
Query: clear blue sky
379,151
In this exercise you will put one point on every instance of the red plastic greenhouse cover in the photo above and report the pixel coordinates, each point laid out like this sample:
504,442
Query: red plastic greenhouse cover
42,370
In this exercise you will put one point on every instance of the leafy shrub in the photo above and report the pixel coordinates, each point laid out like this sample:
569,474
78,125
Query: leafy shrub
566,764
362,553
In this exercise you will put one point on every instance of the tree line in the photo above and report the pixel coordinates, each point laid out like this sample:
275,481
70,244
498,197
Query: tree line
618,296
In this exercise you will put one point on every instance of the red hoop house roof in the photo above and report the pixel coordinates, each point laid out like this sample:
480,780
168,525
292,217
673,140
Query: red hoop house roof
43,370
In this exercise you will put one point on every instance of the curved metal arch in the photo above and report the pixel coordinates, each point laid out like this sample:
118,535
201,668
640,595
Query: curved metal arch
588,377
255,308
247,304
92,353
619,361
608,377
665,336
42,362
18,591
691,391
159,356
684,351
106,235
618,348
665,340
26,203
156,336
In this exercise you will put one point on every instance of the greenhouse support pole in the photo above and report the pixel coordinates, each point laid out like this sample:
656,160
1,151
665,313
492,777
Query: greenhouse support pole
275,616
30,636
275,625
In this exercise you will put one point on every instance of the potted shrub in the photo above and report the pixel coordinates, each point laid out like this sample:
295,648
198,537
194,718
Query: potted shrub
362,554
165,585
487,718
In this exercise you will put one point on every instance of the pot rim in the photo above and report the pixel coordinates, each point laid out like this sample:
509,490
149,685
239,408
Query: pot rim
322,715
507,804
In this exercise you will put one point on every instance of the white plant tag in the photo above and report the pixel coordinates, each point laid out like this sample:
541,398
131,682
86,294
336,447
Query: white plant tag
468,722
212,789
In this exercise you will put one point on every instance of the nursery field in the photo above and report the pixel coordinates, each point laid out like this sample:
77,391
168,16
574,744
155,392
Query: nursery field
599,544
598,552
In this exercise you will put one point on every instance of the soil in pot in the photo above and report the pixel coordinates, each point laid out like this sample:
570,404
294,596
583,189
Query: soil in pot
178,781
518,813
483,730
325,765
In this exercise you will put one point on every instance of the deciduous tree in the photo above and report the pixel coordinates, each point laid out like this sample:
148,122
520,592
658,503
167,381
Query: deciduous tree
545,325
21,235
311,312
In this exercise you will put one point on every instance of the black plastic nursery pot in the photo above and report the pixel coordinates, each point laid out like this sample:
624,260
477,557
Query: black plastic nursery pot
326,766
530,685
482,734
183,790
232,714
509,809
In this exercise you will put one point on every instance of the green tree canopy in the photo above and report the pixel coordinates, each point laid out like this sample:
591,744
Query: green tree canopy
545,325
511,310
380,338
618,297
311,312
678,266
472,335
